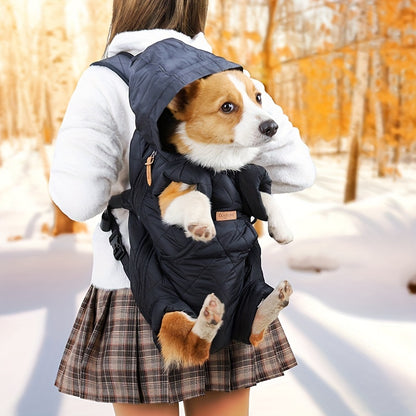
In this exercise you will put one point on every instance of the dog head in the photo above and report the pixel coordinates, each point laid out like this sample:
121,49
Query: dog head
220,121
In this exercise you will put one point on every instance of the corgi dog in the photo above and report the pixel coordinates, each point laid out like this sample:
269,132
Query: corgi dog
219,124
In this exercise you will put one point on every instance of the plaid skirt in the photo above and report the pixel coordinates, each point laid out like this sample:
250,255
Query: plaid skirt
111,357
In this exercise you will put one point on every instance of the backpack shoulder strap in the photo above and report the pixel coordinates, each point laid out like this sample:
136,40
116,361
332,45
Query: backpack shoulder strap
109,223
119,63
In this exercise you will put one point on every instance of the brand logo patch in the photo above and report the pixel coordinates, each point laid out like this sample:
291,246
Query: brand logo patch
226,215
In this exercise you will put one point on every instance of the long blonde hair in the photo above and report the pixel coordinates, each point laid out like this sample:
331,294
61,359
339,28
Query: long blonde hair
186,16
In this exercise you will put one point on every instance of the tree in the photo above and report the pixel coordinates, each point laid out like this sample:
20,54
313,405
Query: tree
357,115
378,83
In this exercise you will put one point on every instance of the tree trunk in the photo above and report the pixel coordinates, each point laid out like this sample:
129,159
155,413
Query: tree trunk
379,79
397,136
378,82
352,170
340,112
357,116
268,49
48,129
55,50
64,225
356,126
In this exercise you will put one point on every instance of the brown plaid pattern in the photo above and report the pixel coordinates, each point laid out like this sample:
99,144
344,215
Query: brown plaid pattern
110,357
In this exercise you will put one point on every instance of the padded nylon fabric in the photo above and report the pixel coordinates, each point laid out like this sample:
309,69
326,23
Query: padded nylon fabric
159,73
175,273
168,271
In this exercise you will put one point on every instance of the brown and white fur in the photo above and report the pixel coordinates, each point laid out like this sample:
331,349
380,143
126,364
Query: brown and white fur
221,125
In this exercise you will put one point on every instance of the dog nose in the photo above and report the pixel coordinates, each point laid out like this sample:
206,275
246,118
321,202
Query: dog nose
269,128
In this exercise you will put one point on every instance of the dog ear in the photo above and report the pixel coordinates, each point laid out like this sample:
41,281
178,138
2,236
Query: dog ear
179,104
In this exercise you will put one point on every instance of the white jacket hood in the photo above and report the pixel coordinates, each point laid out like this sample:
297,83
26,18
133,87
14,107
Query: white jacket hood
137,42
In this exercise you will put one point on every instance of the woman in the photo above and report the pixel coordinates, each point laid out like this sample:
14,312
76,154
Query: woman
110,355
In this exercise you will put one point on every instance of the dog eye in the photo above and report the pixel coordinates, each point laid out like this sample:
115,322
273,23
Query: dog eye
227,107
258,98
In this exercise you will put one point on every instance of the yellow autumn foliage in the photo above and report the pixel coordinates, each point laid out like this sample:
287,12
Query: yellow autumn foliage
307,63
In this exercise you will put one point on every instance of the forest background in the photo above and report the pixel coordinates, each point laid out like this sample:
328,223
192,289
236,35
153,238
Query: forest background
343,70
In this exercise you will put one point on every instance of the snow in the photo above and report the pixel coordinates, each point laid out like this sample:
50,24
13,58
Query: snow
352,325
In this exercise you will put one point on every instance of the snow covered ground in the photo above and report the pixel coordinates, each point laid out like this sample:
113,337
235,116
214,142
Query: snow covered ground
352,327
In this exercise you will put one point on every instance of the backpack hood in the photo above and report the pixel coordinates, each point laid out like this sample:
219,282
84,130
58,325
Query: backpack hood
159,73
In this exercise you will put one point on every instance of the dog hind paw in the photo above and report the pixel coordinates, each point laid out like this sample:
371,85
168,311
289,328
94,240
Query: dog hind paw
269,309
284,290
213,310
210,318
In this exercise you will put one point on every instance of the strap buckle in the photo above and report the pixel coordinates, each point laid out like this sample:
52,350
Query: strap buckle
119,251
105,223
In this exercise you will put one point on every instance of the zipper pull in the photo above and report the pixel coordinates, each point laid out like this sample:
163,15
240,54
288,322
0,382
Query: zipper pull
148,164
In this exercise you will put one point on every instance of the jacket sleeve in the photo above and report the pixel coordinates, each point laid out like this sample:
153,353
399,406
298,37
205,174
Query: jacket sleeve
89,162
253,180
287,158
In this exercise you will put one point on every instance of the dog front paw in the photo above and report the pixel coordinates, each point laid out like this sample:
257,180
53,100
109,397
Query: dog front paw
282,235
201,232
